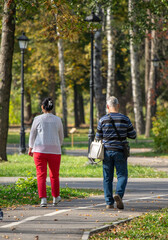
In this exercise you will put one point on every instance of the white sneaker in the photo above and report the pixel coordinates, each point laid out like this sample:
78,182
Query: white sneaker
43,202
56,200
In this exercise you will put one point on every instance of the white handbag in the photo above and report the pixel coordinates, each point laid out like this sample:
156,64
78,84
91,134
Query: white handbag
96,150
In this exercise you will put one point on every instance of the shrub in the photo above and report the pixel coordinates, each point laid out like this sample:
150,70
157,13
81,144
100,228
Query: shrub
160,131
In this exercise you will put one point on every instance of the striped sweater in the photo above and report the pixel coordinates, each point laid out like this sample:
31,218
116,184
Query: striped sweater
107,133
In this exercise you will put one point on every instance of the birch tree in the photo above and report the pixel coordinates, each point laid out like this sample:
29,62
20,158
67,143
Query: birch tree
6,57
151,87
136,89
147,62
110,55
98,84
63,83
62,75
147,59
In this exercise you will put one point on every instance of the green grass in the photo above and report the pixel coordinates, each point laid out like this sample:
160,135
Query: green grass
140,144
150,154
77,145
14,138
71,166
82,136
153,225
24,191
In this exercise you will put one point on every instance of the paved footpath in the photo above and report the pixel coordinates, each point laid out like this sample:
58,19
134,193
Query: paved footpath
76,218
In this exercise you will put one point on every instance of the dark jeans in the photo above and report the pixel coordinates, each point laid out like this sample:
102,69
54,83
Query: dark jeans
114,159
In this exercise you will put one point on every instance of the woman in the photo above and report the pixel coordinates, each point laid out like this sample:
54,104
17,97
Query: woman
46,138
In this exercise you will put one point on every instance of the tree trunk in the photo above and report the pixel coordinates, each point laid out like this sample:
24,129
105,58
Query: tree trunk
52,86
151,87
81,109
27,107
6,56
62,78
147,62
63,84
136,90
98,82
111,56
76,106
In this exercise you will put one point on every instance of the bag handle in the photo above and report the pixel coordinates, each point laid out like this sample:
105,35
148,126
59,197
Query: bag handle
115,128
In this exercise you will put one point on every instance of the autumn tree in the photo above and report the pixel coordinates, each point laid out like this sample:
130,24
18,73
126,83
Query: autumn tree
6,56
136,90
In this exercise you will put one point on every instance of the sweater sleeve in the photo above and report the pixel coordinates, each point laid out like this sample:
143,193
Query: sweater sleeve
99,133
61,133
33,133
131,133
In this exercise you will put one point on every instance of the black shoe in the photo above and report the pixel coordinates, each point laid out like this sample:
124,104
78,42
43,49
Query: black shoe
119,202
1,215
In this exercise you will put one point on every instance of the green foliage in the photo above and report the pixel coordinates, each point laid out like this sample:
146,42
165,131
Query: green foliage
142,12
29,183
25,191
14,108
148,226
160,131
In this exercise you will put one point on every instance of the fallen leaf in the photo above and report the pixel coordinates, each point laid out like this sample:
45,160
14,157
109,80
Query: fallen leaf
5,236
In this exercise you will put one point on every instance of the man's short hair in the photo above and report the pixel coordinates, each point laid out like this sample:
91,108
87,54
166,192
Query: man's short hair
112,101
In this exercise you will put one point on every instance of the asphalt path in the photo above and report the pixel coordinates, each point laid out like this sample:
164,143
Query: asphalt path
74,219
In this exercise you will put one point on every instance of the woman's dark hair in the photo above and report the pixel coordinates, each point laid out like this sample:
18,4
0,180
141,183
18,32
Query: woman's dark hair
47,104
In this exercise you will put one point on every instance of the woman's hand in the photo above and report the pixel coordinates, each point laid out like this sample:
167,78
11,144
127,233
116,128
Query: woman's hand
30,152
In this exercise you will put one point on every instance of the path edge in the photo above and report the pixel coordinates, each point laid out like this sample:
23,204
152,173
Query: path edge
87,234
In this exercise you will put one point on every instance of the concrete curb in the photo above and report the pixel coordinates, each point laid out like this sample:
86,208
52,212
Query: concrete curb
87,234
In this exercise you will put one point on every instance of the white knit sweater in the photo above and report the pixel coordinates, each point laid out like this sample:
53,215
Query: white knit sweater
46,135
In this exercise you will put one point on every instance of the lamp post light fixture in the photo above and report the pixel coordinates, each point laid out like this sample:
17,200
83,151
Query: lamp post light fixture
93,19
23,42
155,61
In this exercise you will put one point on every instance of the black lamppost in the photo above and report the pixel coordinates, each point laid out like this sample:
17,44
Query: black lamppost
91,18
23,41
155,61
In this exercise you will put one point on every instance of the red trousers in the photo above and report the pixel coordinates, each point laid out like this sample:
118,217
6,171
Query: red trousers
53,160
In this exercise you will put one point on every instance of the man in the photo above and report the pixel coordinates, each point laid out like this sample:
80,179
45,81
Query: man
113,151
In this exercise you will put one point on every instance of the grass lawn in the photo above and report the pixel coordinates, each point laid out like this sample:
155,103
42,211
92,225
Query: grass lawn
150,154
82,136
83,145
152,225
71,166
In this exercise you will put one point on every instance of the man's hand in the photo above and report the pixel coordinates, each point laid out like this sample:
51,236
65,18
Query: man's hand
30,152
